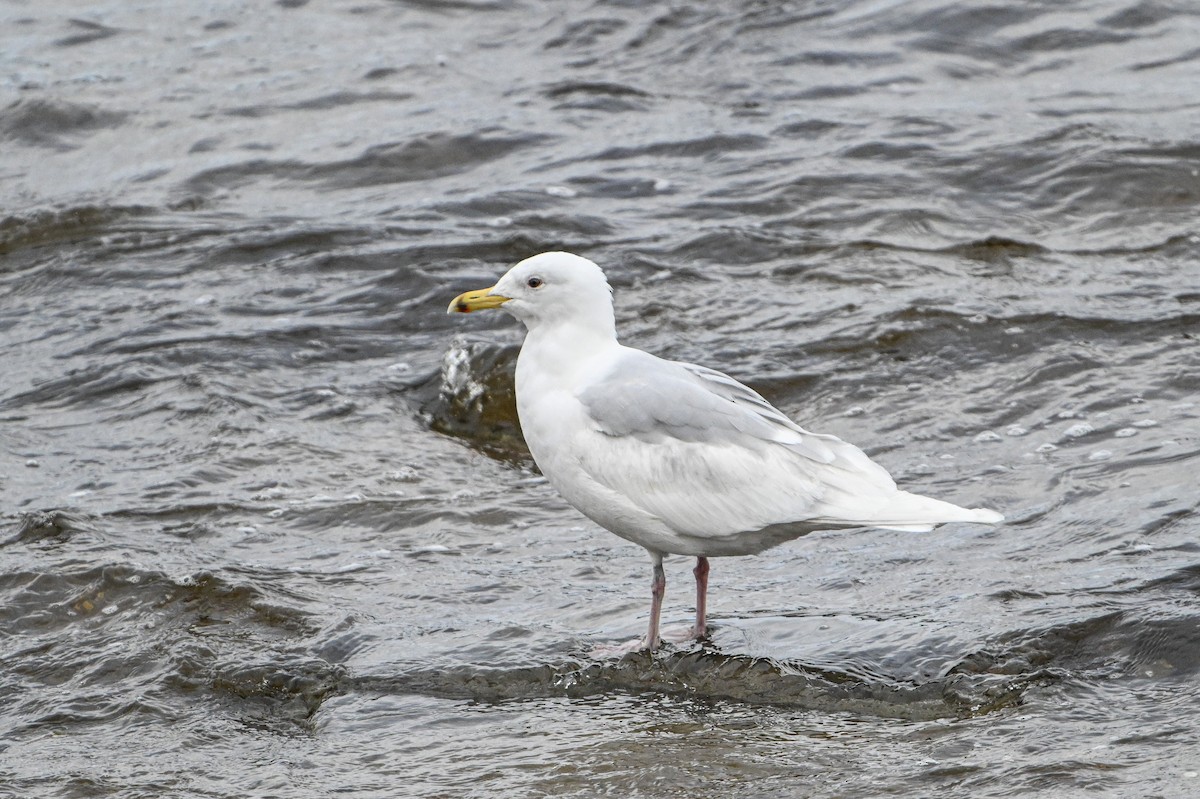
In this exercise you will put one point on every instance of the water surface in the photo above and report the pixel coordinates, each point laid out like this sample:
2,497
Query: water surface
267,524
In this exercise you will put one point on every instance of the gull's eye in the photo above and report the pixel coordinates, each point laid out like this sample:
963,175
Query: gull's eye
533,282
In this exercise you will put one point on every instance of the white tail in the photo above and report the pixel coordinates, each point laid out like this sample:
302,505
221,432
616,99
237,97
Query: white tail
913,513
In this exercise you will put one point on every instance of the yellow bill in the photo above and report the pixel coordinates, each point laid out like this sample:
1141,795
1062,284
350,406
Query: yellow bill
476,301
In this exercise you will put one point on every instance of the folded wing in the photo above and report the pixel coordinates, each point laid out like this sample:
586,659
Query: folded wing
712,459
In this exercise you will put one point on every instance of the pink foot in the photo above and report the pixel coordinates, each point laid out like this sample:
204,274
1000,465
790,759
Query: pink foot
681,635
678,635
604,651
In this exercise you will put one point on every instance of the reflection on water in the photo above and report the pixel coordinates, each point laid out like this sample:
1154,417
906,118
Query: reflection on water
269,522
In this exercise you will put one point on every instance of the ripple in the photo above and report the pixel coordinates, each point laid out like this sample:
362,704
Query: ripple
713,677
53,124
422,158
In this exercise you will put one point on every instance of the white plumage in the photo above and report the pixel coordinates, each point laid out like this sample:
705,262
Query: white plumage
676,457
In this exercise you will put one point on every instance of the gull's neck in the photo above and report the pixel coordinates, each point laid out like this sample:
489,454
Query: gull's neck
562,348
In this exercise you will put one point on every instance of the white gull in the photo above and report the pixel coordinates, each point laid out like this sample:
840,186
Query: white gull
681,459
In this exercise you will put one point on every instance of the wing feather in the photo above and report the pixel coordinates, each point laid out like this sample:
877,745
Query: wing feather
712,458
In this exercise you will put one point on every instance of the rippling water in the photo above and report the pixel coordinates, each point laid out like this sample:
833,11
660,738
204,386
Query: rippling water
269,528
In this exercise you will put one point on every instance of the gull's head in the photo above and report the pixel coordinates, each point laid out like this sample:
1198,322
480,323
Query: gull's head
547,289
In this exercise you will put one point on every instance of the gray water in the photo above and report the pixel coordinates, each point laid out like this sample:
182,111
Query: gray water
268,526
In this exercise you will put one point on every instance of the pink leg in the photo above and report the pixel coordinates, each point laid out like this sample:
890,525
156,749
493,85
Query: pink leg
701,573
658,589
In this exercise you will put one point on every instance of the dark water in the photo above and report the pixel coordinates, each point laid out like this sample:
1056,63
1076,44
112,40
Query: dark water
268,528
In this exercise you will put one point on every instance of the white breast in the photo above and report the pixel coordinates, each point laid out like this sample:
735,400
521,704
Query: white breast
560,435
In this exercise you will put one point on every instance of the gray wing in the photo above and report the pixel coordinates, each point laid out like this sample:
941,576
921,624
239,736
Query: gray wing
711,458
650,398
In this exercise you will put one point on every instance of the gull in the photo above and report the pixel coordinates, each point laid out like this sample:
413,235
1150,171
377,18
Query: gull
678,458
